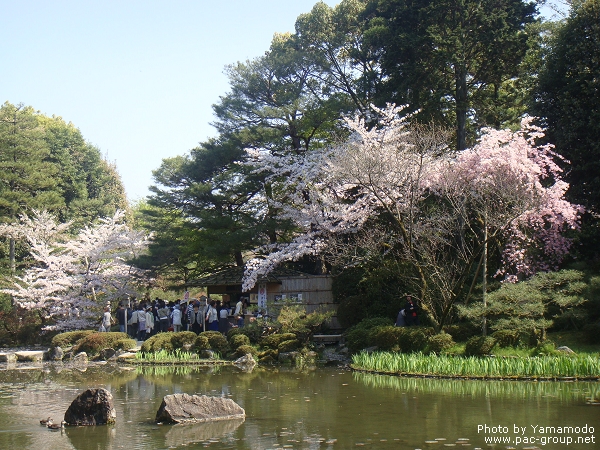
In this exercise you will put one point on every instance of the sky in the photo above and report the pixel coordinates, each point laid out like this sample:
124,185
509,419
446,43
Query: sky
137,77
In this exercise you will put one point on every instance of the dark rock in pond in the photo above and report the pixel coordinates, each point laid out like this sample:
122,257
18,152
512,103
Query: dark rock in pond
184,408
92,407
107,353
207,354
55,354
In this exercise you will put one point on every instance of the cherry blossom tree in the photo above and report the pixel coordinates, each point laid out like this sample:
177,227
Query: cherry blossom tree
397,186
74,278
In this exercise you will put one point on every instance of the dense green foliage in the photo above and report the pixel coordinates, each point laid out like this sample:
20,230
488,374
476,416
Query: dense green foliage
523,312
461,65
45,164
449,59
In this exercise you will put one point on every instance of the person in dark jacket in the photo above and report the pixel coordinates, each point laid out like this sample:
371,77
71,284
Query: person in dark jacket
121,317
195,319
411,311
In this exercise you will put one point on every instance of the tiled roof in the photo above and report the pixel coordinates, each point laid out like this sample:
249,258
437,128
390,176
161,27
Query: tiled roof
234,275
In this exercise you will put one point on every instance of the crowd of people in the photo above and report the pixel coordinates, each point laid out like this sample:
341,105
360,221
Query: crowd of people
148,317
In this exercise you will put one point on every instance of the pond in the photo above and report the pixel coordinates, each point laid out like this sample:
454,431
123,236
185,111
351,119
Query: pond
324,408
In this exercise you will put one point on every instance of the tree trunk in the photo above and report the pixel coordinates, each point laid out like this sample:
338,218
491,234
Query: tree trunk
11,256
239,260
462,106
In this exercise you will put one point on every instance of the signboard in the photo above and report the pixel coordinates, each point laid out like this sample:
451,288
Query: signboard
262,296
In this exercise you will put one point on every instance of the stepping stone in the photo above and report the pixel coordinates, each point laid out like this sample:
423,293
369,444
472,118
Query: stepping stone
126,356
7,357
30,356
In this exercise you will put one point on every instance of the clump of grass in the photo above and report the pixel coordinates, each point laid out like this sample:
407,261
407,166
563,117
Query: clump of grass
449,366
165,356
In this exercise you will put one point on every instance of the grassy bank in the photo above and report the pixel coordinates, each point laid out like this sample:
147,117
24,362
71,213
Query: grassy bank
417,364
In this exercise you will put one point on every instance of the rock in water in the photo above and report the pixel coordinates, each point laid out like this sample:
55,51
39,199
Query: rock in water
56,354
92,407
184,408
245,363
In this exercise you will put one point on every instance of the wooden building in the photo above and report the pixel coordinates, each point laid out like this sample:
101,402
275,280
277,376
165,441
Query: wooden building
278,287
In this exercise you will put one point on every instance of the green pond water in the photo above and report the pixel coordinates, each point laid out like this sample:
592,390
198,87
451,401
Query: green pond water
323,408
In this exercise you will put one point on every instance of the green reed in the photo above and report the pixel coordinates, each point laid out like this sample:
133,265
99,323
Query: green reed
163,356
456,366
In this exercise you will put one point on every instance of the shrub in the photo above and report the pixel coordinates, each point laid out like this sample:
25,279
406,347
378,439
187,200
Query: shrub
288,346
439,342
234,332
160,341
244,350
201,343
274,340
547,348
217,341
506,338
251,329
462,332
70,338
360,335
480,346
182,338
414,339
387,338
238,340
269,354
94,342
294,319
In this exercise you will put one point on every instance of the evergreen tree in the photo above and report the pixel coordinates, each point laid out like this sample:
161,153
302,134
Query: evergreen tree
27,176
568,99
449,58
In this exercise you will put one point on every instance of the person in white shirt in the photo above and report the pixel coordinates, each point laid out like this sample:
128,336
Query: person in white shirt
176,318
212,317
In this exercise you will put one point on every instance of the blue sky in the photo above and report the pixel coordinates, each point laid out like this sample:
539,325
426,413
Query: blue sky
137,77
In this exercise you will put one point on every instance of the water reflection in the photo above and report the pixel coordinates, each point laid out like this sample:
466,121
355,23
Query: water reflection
475,388
183,434
310,409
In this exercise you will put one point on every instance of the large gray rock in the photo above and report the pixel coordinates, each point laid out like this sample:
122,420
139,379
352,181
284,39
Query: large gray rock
92,407
184,408
55,354
30,356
